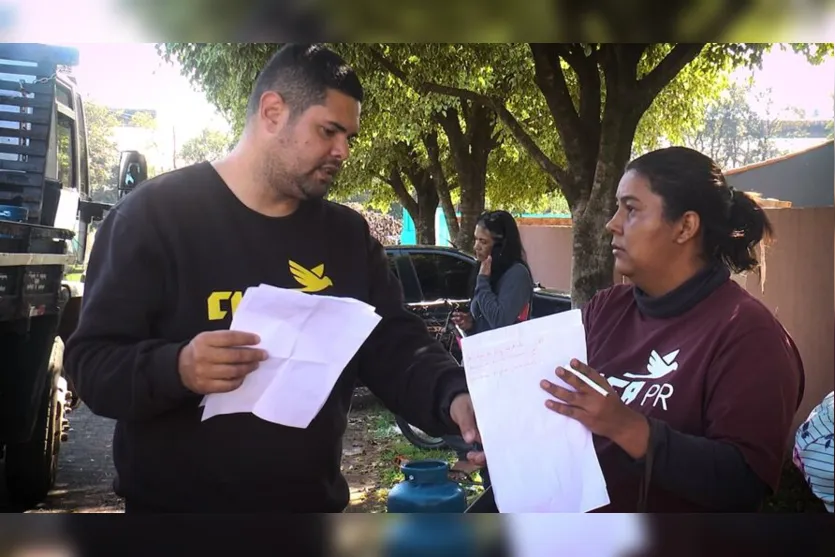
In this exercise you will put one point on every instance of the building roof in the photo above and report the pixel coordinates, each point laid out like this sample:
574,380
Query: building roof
826,144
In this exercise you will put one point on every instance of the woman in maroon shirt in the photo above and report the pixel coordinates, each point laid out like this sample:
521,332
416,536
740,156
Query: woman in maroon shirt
704,381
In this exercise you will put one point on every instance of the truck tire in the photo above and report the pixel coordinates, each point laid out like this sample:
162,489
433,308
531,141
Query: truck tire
31,467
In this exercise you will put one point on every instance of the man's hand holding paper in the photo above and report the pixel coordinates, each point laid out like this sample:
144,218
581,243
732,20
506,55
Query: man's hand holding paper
219,361
308,339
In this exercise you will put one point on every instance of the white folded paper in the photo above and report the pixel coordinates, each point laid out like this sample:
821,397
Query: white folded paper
539,461
309,339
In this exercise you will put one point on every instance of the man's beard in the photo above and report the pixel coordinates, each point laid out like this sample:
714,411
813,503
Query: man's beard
302,186
311,188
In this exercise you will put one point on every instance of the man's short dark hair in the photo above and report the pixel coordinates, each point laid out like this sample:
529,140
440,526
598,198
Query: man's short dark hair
302,75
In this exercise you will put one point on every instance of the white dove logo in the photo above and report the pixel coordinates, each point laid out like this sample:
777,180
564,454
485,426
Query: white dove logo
658,366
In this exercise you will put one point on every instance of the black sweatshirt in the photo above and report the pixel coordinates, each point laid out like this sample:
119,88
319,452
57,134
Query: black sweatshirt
171,260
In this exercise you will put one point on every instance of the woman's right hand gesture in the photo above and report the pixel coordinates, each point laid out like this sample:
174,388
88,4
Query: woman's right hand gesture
463,320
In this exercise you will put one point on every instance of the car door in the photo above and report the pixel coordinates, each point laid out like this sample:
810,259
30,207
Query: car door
442,274
400,264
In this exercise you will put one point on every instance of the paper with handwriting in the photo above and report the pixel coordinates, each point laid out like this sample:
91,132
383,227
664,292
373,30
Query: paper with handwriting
539,461
309,339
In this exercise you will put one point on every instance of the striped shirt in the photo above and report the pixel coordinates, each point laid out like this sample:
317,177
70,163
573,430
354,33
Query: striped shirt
813,451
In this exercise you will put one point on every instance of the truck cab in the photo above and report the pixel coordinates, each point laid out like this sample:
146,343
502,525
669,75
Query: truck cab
45,213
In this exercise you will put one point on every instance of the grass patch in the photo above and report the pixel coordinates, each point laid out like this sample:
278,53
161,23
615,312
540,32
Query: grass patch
382,465
73,272
399,449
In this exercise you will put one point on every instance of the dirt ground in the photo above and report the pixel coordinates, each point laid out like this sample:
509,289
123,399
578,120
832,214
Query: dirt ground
85,473
366,459
373,450
372,454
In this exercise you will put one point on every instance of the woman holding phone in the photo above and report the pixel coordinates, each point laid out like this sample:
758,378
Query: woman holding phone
504,286
502,293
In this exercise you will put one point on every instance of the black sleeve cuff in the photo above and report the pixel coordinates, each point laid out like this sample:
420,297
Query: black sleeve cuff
166,364
708,472
454,384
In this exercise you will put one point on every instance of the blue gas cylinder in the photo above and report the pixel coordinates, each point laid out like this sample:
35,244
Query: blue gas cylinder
431,535
427,489
13,213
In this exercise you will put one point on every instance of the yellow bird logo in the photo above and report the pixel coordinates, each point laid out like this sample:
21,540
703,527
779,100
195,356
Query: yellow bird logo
312,280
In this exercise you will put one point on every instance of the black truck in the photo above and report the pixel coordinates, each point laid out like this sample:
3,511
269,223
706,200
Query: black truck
45,213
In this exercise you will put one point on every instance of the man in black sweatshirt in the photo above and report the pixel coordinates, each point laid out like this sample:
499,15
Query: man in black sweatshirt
170,264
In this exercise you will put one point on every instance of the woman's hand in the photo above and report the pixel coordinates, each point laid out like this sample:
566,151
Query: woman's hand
463,320
606,416
486,266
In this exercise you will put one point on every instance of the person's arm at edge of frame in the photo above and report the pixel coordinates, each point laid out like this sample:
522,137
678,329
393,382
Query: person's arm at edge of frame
119,370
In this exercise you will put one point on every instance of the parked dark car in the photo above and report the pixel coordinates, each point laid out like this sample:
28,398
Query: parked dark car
429,273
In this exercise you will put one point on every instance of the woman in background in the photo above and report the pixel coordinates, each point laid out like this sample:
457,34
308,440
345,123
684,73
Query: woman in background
502,293
504,286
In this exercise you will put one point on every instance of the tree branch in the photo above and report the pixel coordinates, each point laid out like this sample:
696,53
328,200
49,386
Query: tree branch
588,76
402,193
480,125
430,141
575,56
629,57
557,173
384,179
551,81
458,145
388,65
425,87
666,70
433,150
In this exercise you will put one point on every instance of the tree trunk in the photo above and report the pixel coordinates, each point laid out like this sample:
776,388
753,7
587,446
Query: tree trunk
421,210
450,217
470,148
471,207
592,267
427,200
425,222
592,261
441,185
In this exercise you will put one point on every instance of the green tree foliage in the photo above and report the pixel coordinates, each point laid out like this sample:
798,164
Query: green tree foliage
597,97
209,145
103,154
734,134
562,118
416,149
